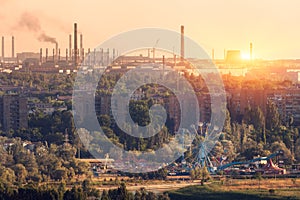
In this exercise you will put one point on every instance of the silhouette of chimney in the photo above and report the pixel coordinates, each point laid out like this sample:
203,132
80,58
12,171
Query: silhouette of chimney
13,47
75,45
67,54
182,43
41,55
81,47
2,47
70,46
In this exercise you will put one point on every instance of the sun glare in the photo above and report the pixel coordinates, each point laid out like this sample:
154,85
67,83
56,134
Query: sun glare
245,56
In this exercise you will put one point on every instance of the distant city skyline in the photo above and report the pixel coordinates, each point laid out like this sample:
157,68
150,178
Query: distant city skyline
272,26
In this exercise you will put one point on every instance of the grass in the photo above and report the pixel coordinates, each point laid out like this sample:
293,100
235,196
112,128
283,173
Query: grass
242,189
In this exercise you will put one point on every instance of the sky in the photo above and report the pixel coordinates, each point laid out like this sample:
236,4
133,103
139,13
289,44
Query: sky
271,25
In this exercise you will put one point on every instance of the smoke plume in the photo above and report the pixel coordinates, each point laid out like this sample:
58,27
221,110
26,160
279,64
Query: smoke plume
29,22
45,38
32,23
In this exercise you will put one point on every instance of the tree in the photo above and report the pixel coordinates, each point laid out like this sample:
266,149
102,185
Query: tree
20,172
204,175
76,193
7,175
227,124
137,195
276,146
104,120
86,186
61,190
258,119
163,196
272,116
105,196
297,149
258,176
200,173
60,174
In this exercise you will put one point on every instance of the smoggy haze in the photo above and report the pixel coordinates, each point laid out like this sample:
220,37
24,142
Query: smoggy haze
272,26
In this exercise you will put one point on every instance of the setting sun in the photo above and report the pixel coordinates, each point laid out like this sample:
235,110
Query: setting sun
245,56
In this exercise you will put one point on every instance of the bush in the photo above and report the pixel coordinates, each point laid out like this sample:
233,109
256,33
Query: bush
271,191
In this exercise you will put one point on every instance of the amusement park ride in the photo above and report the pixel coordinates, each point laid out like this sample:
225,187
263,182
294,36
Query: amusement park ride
203,157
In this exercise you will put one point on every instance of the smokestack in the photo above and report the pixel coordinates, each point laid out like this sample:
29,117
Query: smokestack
89,55
75,45
182,43
94,57
101,56
108,56
56,51
46,54
58,54
81,55
70,46
13,47
114,54
213,54
72,58
2,47
53,54
251,51
41,55
66,54
163,61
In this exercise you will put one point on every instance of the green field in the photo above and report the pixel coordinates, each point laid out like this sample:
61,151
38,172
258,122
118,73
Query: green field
213,191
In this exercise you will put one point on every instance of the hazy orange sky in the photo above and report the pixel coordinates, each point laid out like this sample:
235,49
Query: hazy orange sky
271,25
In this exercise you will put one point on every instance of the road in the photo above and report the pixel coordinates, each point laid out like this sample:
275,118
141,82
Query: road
160,187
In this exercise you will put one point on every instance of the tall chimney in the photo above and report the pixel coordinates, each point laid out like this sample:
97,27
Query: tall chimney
70,46
114,53
46,54
53,54
13,47
41,55
58,54
101,56
2,47
163,61
182,43
251,51
94,59
89,56
72,58
75,46
56,51
80,50
108,56
66,54
82,55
